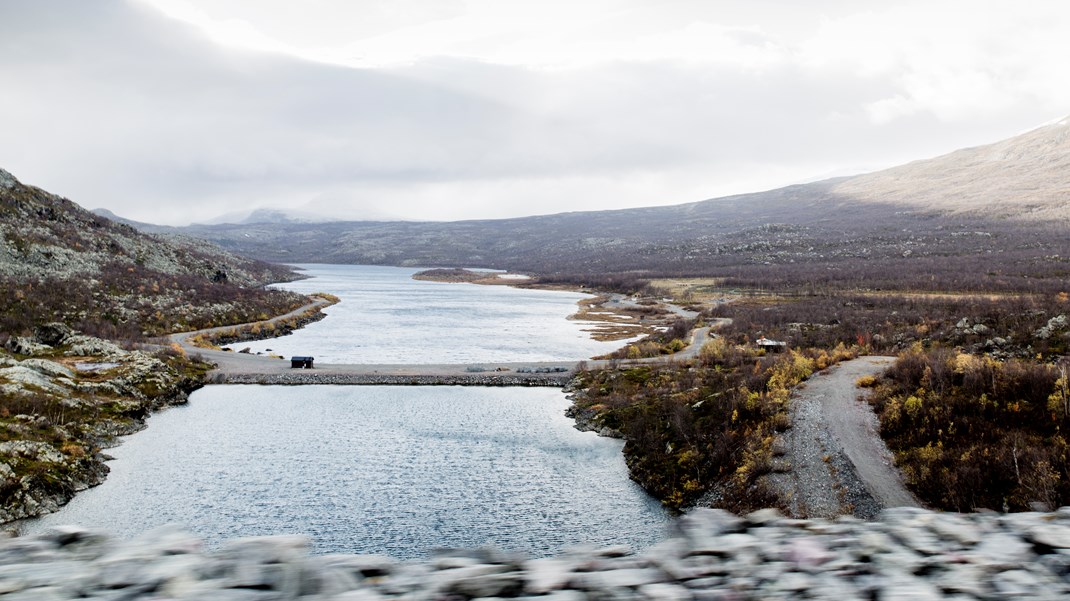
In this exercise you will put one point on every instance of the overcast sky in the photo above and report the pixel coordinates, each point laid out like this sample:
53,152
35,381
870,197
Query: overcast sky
173,111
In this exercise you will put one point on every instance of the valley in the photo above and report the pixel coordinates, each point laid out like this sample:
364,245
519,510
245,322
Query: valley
878,264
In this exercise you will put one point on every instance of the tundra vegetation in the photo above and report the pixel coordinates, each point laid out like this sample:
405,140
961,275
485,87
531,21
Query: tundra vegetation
974,408
702,428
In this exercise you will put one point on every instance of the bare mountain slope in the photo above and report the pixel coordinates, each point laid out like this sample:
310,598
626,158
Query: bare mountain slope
59,262
1026,177
994,211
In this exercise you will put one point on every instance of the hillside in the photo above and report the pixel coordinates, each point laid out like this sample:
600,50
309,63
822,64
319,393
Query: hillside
1006,201
59,262
78,296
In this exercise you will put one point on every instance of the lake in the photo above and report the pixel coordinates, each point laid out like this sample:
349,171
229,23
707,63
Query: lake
396,470
388,317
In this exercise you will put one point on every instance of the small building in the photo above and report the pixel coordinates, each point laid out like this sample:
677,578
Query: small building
301,362
771,346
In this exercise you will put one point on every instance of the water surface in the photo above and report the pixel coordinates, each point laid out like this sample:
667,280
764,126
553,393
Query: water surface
396,470
387,317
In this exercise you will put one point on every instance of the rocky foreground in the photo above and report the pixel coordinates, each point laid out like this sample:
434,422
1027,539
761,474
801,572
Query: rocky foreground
907,554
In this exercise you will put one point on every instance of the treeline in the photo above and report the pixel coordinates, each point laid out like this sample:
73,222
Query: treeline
971,432
623,282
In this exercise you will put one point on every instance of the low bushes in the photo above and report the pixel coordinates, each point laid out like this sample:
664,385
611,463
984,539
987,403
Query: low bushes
705,426
973,432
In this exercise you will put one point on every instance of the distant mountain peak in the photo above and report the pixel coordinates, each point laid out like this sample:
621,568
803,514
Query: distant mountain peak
269,215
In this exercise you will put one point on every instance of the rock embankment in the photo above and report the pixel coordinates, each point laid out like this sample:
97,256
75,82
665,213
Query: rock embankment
908,554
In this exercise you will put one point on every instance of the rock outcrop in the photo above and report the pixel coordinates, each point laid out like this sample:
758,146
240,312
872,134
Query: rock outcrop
72,397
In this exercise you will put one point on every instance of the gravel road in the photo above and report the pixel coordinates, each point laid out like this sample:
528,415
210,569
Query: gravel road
839,464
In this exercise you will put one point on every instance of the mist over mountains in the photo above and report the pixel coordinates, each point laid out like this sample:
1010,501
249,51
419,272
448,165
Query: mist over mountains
1006,203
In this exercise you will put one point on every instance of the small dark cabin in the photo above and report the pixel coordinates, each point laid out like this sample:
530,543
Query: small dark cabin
301,362
771,346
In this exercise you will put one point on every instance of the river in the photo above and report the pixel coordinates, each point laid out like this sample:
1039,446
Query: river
395,470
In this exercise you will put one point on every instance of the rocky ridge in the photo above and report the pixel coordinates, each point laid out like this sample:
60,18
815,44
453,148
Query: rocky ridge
712,555
59,262
47,235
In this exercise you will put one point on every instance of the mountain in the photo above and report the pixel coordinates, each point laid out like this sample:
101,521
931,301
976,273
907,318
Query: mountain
1025,178
59,262
928,221
269,216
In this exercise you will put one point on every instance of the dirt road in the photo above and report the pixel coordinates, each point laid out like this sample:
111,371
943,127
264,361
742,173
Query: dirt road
839,463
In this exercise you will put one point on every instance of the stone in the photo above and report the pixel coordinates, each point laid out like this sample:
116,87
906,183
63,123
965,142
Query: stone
31,449
25,346
726,544
628,578
1015,584
1054,536
910,590
709,522
22,376
48,368
366,566
488,585
764,517
664,591
267,549
963,578
52,334
956,528
546,575
1002,550
807,553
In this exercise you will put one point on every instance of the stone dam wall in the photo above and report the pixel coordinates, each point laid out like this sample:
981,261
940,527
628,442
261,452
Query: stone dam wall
711,555
302,377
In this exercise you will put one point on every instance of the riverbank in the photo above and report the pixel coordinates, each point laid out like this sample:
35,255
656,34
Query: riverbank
712,555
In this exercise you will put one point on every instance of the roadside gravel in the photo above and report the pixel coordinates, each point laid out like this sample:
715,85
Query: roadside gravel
836,462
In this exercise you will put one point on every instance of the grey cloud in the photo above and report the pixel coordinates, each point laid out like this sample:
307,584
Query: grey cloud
116,106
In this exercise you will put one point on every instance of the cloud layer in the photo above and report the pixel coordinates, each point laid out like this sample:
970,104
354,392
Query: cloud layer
471,112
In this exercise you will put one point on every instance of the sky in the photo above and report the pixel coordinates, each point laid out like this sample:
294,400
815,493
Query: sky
179,111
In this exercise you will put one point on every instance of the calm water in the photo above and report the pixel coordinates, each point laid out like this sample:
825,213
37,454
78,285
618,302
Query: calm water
387,317
396,470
